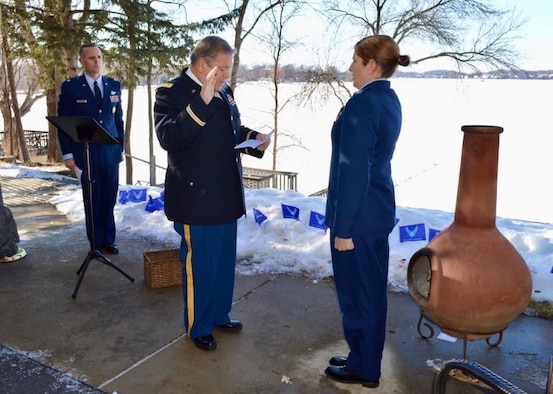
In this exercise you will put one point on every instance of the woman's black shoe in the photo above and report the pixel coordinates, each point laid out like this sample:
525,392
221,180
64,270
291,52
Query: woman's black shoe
343,375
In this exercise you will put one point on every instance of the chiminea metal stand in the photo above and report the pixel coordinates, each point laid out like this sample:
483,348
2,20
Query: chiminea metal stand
465,335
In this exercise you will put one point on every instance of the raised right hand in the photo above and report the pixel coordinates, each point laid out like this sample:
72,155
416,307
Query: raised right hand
208,86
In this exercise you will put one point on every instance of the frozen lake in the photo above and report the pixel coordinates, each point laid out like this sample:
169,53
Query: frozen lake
426,161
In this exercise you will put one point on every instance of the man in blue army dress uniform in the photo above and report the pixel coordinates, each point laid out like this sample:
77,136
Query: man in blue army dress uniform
92,94
198,124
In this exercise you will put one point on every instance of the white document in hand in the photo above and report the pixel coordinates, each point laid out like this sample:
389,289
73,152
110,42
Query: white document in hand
78,173
252,143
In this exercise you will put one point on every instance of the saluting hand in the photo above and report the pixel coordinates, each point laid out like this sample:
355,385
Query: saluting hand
208,86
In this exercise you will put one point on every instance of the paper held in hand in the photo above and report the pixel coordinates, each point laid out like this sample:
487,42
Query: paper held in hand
252,143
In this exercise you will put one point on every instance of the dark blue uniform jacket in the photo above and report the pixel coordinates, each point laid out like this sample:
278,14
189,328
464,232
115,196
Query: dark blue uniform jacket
203,183
361,196
77,99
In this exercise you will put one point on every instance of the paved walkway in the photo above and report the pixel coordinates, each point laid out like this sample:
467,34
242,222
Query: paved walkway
123,337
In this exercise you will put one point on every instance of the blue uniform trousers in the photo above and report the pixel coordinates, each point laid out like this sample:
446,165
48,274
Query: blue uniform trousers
208,254
361,277
105,183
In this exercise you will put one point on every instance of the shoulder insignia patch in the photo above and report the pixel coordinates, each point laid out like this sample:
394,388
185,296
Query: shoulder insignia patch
166,85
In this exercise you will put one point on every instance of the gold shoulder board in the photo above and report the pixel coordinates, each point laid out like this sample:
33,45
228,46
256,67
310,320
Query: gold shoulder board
167,85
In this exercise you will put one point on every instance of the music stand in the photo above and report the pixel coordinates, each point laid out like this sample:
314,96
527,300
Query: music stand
86,130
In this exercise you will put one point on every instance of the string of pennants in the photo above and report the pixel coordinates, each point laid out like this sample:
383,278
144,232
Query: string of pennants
407,233
140,195
316,219
416,232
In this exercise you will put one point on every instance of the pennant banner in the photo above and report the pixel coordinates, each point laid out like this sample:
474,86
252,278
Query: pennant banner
317,220
414,232
122,199
432,232
154,204
290,212
259,216
132,195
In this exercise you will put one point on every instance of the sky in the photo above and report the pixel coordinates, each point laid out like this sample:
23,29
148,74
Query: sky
535,44
280,245
312,37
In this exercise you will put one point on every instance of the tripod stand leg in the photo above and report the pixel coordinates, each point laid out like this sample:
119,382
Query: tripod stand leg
95,254
100,257
82,266
81,272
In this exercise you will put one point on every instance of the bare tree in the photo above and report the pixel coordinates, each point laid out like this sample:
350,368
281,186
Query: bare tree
471,33
241,30
278,17
63,27
11,96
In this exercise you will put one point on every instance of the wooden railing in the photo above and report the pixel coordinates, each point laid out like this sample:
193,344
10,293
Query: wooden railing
254,178
320,193
257,178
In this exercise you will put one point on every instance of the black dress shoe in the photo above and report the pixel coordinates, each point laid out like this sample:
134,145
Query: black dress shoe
343,375
206,342
110,249
339,361
232,326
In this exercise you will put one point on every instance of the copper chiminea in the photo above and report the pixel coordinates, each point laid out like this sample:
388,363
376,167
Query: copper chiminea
470,280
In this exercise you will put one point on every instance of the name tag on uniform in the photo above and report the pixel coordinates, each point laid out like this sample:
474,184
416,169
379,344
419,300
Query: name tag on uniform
81,101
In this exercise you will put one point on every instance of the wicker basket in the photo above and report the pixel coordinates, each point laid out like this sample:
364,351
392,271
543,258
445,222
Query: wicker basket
162,268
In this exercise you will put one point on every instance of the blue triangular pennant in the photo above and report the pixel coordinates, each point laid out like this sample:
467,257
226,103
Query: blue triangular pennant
414,232
290,212
396,221
317,220
154,204
432,232
122,196
259,216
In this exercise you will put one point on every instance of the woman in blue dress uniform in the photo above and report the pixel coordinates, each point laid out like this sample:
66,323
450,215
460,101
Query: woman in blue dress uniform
360,210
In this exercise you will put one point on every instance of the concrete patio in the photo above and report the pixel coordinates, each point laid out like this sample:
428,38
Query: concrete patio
123,337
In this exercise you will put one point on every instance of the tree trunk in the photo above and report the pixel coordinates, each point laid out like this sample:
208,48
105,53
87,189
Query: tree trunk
59,74
128,123
238,43
151,127
23,151
5,109
54,150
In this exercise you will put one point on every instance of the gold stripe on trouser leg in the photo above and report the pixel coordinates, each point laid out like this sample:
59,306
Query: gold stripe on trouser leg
189,278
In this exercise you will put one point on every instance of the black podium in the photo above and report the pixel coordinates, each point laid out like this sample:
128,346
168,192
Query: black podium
86,130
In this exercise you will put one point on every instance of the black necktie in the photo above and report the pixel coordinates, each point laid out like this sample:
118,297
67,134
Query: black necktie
98,94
